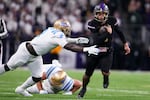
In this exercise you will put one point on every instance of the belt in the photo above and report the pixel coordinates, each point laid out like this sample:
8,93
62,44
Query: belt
31,49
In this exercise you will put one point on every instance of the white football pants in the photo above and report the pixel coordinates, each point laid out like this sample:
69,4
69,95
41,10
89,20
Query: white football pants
22,57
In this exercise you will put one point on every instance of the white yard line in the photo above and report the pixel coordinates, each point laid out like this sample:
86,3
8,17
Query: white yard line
7,93
119,95
123,91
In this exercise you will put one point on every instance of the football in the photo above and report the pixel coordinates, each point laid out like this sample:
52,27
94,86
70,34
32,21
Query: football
102,29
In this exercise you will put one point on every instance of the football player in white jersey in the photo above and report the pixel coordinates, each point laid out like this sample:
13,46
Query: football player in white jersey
30,52
56,80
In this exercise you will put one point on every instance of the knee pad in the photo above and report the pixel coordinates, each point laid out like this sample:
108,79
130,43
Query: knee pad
36,79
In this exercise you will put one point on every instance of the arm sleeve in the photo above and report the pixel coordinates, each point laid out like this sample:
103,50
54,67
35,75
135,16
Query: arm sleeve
113,21
120,33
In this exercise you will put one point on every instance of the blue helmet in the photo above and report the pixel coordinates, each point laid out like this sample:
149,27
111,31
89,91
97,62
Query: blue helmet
102,7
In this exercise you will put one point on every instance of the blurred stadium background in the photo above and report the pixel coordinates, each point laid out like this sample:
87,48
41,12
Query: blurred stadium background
27,18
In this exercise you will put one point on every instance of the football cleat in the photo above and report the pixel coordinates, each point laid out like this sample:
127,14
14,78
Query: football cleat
81,93
22,91
106,82
105,85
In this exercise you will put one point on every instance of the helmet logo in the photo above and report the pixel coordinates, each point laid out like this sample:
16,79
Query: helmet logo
102,6
64,24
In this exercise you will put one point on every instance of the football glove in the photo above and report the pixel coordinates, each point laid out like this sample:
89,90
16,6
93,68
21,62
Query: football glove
82,40
91,50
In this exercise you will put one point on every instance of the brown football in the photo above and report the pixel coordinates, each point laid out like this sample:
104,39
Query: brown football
102,29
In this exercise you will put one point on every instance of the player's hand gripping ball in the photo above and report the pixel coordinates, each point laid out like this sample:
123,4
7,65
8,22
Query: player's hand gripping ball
106,28
102,29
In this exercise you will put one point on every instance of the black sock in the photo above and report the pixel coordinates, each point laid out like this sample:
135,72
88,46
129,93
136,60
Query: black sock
86,80
106,78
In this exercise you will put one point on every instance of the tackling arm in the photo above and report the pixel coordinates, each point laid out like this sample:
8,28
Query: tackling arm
79,40
89,50
73,47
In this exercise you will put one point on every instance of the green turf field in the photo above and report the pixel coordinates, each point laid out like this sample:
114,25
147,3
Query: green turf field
123,86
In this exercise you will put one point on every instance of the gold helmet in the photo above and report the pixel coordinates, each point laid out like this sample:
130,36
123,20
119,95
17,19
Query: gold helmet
58,78
64,26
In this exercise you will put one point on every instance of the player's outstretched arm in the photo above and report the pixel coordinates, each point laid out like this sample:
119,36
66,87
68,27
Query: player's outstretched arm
76,48
79,40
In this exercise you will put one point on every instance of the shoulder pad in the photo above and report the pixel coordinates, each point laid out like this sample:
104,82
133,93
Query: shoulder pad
93,24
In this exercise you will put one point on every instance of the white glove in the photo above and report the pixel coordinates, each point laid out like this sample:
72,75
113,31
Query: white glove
56,63
43,92
91,50
3,30
82,40
67,93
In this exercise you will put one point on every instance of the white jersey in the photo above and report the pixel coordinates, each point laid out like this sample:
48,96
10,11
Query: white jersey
67,85
47,40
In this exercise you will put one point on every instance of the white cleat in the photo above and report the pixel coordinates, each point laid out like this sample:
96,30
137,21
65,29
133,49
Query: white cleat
23,92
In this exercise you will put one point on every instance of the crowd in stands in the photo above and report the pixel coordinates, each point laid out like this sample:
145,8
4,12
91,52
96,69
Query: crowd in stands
27,18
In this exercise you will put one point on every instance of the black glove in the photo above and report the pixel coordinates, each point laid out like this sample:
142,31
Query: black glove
3,30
